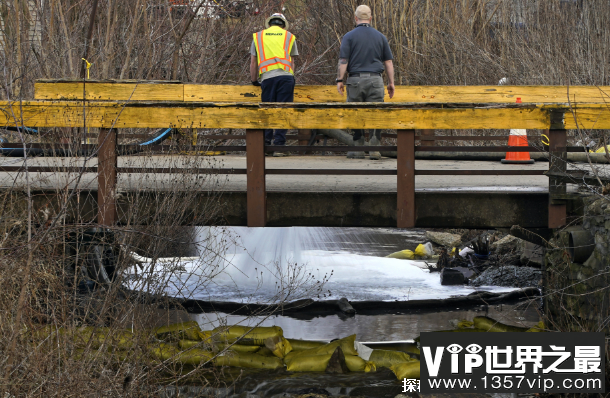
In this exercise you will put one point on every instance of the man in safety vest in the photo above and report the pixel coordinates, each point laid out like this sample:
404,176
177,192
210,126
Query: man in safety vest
272,67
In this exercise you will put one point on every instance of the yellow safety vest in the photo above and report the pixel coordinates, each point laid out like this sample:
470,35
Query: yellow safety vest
273,48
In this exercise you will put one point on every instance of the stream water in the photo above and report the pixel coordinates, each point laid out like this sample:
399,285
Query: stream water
265,265
375,326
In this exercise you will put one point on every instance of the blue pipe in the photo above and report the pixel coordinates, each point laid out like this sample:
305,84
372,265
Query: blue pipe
27,130
160,138
38,151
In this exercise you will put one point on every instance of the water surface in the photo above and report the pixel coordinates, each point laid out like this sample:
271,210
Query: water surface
267,265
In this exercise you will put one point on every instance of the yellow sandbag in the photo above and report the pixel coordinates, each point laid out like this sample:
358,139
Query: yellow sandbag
246,335
385,358
402,255
346,344
237,347
403,347
420,251
603,150
186,344
538,328
264,351
307,363
490,325
248,360
89,335
279,346
163,351
123,340
120,339
194,356
302,345
205,335
180,331
464,324
409,370
46,331
356,364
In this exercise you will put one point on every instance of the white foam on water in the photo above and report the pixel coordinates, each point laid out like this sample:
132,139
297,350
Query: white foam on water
270,264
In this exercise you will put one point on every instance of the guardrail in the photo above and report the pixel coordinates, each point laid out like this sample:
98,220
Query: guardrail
501,111
146,90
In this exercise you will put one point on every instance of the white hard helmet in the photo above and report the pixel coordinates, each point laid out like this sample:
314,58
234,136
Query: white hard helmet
277,15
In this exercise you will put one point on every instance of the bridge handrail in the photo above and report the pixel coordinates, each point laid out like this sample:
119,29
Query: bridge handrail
302,116
120,105
118,90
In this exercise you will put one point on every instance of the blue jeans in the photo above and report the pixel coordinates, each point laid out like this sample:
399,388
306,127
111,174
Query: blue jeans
277,89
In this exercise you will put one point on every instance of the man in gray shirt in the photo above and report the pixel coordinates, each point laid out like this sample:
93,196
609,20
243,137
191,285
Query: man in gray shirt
364,55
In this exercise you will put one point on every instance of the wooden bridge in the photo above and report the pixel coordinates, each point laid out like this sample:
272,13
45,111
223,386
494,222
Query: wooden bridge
415,112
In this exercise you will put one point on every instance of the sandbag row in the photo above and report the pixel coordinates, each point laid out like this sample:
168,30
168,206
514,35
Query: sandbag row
239,346
262,347
482,324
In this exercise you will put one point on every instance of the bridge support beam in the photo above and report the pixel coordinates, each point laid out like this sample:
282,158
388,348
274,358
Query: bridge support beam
107,177
429,132
557,188
405,168
256,192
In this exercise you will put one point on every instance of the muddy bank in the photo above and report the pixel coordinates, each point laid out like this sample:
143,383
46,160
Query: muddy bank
332,306
280,383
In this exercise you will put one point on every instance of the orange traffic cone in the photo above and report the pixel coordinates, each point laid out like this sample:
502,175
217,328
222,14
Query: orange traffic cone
518,137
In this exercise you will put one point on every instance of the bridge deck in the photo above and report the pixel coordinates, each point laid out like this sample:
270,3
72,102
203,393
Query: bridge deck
290,183
323,200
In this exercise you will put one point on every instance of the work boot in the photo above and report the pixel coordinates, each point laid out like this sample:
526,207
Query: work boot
357,154
374,155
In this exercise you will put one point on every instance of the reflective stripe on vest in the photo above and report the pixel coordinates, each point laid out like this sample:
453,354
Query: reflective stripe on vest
273,48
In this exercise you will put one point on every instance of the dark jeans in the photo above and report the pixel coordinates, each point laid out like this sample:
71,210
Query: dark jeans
277,89
365,89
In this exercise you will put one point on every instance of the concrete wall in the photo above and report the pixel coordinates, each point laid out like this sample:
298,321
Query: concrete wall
348,209
332,209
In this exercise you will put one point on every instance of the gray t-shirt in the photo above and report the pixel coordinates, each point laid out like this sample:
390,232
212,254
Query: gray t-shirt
275,72
365,49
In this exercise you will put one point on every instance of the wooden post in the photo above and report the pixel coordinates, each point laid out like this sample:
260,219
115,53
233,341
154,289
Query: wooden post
427,142
255,162
303,137
405,168
106,177
557,163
